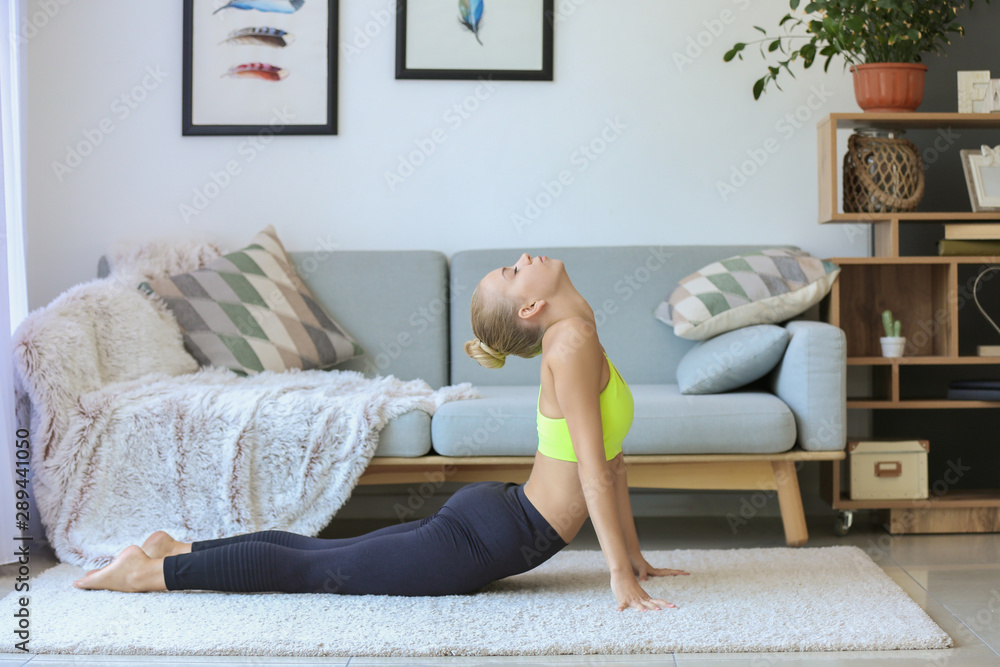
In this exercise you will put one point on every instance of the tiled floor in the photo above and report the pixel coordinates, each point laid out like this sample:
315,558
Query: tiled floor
955,578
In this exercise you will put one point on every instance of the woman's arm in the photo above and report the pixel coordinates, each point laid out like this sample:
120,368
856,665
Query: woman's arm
640,568
576,365
625,516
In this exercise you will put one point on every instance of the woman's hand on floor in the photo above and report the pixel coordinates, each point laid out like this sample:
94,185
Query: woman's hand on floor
629,593
643,570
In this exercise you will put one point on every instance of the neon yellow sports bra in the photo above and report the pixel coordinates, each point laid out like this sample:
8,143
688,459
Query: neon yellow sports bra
617,410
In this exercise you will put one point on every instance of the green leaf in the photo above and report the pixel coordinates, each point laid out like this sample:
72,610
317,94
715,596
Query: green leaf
859,30
731,53
855,23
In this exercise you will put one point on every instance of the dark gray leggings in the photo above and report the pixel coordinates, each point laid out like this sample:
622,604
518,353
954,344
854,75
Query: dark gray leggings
484,532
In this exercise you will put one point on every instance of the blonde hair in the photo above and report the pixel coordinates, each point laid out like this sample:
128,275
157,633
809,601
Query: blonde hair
499,332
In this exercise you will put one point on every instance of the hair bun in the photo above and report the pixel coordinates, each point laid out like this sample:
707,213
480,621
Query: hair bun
484,354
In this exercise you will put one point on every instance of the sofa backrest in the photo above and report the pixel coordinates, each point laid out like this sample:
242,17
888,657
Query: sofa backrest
623,285
393,302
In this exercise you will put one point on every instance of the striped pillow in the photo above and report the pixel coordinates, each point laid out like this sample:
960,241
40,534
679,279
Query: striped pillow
764,287
249,311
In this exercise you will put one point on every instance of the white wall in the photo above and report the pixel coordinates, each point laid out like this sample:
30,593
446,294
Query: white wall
684,129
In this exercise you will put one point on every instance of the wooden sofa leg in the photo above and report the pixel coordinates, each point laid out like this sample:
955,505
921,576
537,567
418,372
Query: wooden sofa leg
793,517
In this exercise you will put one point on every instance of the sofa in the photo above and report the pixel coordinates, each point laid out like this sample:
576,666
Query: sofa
409,311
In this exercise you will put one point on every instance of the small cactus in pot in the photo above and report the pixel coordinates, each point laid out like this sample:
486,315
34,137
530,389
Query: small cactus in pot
892,344
892,327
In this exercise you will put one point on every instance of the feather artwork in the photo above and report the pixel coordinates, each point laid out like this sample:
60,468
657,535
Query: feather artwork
257,71
280,6
470,14
260,35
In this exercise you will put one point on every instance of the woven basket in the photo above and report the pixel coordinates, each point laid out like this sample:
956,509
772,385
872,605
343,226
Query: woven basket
882,175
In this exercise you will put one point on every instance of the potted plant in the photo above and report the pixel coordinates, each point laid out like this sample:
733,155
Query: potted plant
893,341
881,40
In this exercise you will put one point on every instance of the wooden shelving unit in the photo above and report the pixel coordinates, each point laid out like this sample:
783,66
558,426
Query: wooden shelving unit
975,511
829,167
918,290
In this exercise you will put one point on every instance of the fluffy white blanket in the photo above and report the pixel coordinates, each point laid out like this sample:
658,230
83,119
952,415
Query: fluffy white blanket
129,437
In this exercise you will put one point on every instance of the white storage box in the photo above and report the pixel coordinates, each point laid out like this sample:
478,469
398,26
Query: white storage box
888,469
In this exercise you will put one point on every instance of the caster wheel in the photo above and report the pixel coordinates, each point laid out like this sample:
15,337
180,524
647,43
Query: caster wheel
842,525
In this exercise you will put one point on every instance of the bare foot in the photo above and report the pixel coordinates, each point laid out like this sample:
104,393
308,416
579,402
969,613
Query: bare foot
160,544
130,572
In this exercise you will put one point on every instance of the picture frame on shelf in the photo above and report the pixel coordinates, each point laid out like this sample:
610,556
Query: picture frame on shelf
992,102
982,175
259,67
973,86
985,350
510,40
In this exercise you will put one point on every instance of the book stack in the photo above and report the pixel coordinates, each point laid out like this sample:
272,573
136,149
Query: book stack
974,390
977,238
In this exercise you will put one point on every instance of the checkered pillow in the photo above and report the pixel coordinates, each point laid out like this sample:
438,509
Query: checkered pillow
764,287
249,311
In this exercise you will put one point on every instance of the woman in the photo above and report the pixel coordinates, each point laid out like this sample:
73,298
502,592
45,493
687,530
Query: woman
486,530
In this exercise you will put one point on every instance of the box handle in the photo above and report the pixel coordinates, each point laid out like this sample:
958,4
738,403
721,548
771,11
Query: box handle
888,469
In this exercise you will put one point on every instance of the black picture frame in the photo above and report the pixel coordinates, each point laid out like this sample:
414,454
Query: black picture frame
546,16
188,128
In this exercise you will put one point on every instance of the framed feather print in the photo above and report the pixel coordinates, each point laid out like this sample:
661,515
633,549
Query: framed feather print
471,39
253,66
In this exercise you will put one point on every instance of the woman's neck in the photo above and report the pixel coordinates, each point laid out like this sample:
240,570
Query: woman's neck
567,303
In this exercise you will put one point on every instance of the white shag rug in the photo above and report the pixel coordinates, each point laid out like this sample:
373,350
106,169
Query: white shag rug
737,600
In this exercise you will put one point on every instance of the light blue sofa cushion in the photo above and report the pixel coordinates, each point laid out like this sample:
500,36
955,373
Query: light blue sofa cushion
409,434
811,380
502,423
732,359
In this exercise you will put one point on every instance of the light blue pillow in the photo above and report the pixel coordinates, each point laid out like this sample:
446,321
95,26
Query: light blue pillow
731,359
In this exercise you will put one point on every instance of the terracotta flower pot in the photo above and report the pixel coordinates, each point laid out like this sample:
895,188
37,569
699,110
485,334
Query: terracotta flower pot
886,87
